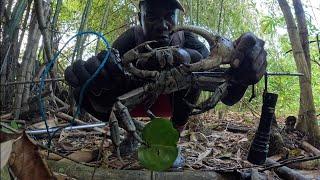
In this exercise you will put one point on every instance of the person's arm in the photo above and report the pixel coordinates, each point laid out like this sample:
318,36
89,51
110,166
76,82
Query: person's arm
125,41
192,42
110,83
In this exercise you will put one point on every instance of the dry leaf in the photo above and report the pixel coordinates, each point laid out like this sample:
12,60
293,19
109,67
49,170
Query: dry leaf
82,156
52,122
203,155
6,148
8,136
26,162
184,133
193,137
52,156
243,140
225,155
68,146
63,135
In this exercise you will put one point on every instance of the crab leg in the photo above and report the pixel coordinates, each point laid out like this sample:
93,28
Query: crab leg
115,133
126,119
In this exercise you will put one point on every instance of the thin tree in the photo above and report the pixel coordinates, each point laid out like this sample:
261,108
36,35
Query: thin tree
307,122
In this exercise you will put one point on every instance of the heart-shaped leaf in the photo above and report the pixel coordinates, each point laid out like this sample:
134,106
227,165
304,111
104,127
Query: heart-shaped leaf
161,149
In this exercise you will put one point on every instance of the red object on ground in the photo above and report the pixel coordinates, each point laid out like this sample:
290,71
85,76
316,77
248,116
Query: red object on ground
161,108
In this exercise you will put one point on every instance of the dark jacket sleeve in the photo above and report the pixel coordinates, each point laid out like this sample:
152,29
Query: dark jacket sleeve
192,42
125,41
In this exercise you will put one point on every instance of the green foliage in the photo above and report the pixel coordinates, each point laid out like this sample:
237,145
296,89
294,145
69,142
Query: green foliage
161,149
14,124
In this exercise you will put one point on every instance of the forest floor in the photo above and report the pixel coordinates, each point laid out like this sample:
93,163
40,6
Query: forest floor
211,142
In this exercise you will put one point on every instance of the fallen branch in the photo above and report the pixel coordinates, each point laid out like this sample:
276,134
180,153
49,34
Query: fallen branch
283,171
309,148
277,165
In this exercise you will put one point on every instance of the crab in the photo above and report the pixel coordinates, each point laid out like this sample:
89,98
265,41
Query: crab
169,80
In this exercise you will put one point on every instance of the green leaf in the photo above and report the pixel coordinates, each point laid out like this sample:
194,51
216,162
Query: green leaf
161,149
14,124
157,157
160,132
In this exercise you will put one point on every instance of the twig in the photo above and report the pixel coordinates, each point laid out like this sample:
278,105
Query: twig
31,82
17,121
290,162
5,116
99,155
10,128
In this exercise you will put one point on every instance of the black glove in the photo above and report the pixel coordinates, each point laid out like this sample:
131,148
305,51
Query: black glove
252,60
252,67
103,90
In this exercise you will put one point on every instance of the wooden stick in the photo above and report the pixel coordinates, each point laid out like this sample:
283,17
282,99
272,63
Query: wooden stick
5,116
285,172
309,148
70,118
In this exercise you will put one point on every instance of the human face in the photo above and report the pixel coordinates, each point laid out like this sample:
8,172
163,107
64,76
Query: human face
158,22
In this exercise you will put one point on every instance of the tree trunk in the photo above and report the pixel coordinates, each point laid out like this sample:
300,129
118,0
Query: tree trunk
42,26
32,45
104,22
24,26
303,30
10,41
81,39
307,122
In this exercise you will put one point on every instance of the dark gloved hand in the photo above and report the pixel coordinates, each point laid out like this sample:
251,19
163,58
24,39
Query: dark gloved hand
110,77
252,60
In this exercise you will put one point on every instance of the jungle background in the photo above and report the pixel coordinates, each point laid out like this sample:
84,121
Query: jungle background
28,43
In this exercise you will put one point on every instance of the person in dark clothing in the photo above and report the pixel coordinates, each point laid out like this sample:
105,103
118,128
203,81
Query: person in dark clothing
157,20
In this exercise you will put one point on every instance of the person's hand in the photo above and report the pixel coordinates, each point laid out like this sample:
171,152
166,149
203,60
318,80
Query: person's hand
80,71
252,57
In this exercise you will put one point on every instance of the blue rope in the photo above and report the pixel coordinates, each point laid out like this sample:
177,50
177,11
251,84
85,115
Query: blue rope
83,88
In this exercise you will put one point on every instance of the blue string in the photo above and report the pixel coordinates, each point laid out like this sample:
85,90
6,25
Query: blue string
83,88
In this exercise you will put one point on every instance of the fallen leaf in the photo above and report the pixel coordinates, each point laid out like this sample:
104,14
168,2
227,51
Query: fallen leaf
68,146
243,140
63,135
82,156
52,156
52,122
26,162
193,137
203,155
225,155
238,154
4,136
6,148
